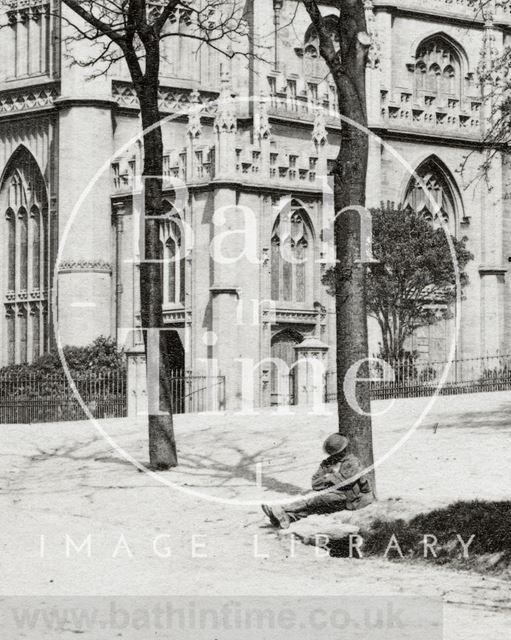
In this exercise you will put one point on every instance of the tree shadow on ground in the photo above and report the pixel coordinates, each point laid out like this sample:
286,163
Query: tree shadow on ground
499,418
73,452
213,471
218,473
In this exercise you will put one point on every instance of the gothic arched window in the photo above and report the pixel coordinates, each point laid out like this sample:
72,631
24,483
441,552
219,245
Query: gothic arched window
25,262
173,251
292,255
437,68
432,195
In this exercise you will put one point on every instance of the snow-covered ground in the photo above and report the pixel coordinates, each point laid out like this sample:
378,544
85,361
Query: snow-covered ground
198,530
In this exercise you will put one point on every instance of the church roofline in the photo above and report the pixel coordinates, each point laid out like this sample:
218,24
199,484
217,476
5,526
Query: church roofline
431,14
430,137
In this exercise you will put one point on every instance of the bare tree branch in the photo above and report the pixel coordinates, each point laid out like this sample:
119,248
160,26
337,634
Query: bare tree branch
91,19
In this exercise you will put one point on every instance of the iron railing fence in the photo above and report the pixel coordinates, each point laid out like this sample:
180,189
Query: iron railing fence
48,397
196,393
416,378
283,392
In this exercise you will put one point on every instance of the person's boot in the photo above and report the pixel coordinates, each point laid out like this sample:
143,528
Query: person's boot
268,512
280,514
278,517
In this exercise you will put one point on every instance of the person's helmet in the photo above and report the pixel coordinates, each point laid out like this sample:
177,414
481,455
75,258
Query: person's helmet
335,444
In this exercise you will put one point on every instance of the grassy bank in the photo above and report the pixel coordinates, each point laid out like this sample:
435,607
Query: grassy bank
473,534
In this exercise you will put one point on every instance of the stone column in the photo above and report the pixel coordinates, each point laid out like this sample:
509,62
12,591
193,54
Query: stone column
224,293
262,134
373,88
492,308
320,140
373,179
224,301
225,289
373,73
84,287
492,270
194,132
382,32
267,305
225,127
277,8
310,370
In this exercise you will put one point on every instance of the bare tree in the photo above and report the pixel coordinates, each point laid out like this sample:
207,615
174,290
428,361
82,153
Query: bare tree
345,48
133,31
494,77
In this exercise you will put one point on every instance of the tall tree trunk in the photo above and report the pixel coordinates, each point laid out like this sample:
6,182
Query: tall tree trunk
350,300
162,446
384,339
349,190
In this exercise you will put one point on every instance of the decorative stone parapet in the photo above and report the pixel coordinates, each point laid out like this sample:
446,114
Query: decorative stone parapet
28,99
92,266
400,109
171,99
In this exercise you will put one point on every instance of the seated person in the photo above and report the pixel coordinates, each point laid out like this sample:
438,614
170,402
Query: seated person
333,479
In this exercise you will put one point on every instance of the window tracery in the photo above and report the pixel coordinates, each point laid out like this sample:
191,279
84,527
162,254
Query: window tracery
292,255
173,259
26,262
437,69
431,196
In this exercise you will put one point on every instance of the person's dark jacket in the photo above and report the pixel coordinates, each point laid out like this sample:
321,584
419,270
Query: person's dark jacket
335,472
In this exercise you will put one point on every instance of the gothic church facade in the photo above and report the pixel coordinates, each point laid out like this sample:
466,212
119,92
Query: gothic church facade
248,145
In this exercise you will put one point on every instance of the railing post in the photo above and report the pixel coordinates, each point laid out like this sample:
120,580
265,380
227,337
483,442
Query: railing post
136,383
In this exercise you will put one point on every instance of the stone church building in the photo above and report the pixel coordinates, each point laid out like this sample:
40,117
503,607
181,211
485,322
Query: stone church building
248,142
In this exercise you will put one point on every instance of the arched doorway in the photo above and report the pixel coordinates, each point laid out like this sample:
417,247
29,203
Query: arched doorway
283,377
